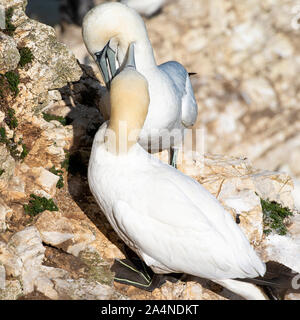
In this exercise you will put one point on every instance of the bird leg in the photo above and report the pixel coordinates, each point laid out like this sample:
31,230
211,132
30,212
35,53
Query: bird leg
173,156
136,273
127,272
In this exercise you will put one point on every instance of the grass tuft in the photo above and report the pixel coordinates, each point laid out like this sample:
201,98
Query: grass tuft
24,152
11,119
9,27
26,56
13,80
48,117
38,204
12,145
275,217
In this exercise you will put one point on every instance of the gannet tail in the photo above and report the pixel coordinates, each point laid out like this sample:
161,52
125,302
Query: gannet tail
277,281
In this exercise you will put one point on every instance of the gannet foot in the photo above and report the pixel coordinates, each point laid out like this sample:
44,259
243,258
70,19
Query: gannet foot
134,272
173,157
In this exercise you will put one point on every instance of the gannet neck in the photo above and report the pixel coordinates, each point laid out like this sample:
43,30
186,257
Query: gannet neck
129,97
121,26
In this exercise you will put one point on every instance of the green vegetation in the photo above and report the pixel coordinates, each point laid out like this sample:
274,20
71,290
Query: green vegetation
48,117
9,27
1,172
24,153
12,145
11,119
2,135
37,205
274,217
26,56
60,182
13,80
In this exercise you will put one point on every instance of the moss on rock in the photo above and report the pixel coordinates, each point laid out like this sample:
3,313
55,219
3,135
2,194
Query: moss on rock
98,269
38,204
26,56
275,217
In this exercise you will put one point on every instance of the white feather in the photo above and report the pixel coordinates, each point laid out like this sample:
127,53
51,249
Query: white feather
172,102
168,217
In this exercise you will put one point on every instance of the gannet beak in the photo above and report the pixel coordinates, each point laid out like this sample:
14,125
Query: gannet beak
130,60
107,63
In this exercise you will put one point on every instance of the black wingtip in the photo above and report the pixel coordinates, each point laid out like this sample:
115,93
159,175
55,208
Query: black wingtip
277,281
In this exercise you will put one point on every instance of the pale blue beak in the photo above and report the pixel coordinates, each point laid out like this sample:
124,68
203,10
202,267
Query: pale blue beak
106,60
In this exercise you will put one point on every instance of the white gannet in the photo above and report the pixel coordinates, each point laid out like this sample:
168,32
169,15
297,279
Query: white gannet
167,218
109,30
145,7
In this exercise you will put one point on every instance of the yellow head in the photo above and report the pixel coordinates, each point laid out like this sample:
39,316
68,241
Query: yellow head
129,96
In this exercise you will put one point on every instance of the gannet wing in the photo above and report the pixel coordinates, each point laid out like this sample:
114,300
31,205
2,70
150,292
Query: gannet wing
177,234
221,220
183,87
164,243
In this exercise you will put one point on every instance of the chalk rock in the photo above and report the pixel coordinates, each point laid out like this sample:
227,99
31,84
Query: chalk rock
45,179
70,234
248,36
4,210
15,190
7,163
82,289
9,54
12,263
27,245
260,93
2,277
12,291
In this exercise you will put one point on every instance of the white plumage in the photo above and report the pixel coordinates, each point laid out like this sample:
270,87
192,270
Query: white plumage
172,103
167,218
171,221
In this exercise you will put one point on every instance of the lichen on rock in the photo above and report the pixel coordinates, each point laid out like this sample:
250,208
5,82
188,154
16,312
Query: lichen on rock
9,54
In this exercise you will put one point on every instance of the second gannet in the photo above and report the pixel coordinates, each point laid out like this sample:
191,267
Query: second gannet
111,31
167,218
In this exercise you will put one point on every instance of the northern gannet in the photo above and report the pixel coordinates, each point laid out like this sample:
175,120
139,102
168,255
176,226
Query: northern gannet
109,30
145,7
167,218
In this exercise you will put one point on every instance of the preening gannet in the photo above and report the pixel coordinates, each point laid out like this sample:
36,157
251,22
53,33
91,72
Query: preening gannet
145,7
167,218
111,31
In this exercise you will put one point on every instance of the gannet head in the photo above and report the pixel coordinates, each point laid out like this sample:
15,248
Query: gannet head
129,97
108,30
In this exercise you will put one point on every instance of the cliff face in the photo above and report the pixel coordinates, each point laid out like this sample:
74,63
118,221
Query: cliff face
51,229
246,56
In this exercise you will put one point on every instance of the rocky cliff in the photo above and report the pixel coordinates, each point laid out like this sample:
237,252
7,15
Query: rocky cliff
54,241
